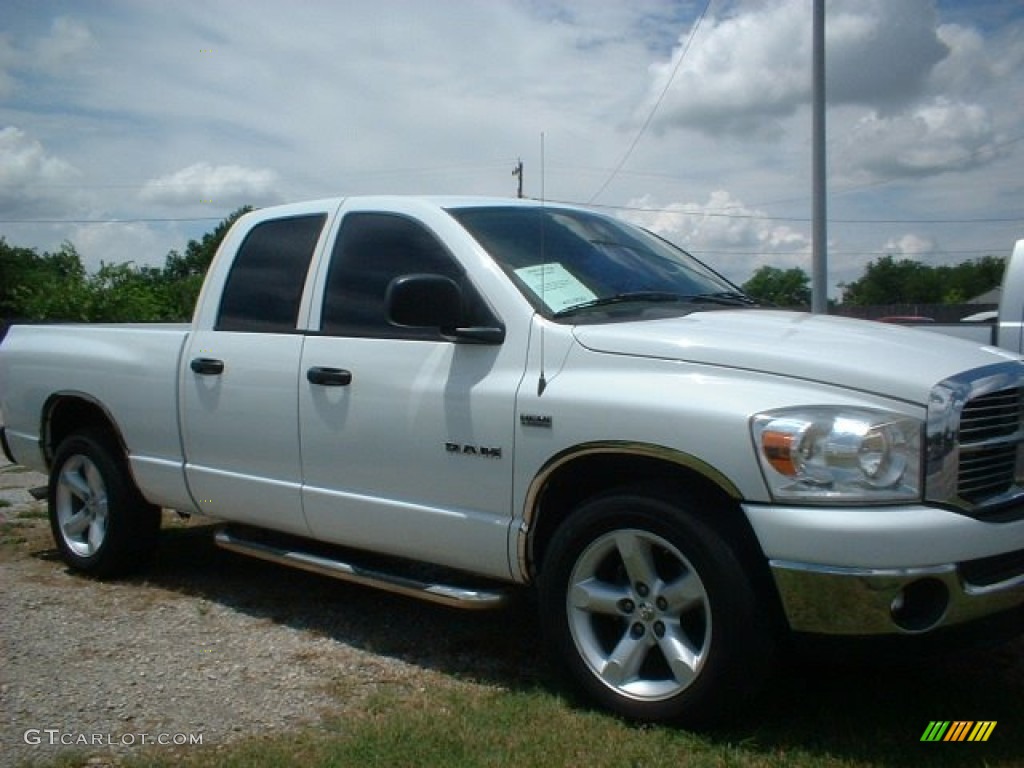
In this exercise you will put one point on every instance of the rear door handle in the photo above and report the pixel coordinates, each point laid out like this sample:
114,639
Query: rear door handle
207,366
329,377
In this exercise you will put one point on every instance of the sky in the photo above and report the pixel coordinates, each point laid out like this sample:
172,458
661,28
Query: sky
128,128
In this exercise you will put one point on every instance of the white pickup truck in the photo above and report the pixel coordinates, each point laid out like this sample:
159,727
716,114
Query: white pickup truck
453,398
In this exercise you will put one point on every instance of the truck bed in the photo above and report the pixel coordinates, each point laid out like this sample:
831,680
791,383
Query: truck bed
128,370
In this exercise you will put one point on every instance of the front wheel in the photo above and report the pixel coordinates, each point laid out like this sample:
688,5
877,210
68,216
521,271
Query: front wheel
100,522
651,611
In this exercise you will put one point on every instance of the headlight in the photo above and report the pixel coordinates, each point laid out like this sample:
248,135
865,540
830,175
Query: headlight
832,454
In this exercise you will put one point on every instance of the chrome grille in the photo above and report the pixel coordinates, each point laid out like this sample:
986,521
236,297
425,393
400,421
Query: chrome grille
975,442
989,442
991,416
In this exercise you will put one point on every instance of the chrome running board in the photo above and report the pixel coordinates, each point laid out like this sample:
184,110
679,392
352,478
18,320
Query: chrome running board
287,550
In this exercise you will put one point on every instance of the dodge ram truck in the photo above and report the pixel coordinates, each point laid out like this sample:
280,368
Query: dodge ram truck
461,398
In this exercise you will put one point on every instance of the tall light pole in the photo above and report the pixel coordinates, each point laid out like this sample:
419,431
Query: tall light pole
819,214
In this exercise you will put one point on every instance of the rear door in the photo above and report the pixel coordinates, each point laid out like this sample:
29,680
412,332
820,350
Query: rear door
239,383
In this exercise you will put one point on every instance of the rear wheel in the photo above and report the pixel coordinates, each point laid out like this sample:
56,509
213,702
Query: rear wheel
651,611
100,522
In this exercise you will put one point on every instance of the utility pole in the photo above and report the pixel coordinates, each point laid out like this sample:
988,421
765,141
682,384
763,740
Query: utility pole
518,171
819,214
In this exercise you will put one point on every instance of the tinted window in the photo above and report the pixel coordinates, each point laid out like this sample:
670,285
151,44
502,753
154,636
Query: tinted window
264,288
592,258
371,250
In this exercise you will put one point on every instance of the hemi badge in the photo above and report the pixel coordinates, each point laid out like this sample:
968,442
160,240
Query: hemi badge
533,420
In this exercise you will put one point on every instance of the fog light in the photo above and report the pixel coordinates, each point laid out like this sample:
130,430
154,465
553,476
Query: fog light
920,606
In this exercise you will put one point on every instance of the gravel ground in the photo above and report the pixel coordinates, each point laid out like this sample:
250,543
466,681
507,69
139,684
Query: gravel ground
213,645
208,644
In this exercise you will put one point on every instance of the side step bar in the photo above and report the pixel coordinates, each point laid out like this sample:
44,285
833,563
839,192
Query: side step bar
286,551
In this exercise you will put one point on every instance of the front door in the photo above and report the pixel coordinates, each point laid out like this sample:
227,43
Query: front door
407,438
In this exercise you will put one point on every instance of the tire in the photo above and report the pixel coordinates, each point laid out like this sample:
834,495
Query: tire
652,612
101,523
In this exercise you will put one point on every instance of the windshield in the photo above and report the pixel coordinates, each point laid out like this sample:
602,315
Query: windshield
579,265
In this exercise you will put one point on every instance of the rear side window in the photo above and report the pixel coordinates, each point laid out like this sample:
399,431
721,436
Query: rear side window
264,287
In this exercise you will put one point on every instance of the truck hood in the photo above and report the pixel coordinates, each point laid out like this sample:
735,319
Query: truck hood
872,357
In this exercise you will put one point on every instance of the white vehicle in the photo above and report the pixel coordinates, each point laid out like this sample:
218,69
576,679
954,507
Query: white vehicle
1003,327
452,398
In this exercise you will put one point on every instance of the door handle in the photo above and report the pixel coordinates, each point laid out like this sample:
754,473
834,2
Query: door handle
329,377
207,366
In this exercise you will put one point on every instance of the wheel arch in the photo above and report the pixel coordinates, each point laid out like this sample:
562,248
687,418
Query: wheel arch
67,412
589,470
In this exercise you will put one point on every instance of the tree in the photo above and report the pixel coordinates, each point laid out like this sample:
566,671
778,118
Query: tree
48,287
122,293
972,278
888,281
199,253
786,288
56,286
184,274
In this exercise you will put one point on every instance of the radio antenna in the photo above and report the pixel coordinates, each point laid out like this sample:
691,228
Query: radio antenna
542,382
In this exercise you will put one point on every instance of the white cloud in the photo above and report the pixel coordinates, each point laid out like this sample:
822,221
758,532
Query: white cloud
205,184
54,53
747,71
935,138
968,67
117,243
153,108
730,236
741,74
881,53
31,180
909,246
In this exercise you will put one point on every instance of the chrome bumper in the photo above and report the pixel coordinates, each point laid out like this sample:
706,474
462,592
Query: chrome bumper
872,601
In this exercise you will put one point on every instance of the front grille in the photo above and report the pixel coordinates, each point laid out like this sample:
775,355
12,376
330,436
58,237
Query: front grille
990,439
991,416
986,472
974,442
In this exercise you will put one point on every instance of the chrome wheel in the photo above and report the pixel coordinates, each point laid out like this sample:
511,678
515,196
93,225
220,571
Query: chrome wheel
639,615
650,609
101,524
81,506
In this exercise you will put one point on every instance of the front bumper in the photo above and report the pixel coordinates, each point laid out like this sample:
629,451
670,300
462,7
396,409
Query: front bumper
877,571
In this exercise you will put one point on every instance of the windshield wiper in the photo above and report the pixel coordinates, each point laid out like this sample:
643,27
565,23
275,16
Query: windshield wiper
726,298
622,298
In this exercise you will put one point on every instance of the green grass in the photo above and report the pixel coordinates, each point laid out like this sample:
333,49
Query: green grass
470,726
832,713
12,533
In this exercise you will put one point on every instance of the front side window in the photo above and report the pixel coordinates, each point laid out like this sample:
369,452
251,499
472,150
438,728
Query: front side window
373,249
574,264
263,290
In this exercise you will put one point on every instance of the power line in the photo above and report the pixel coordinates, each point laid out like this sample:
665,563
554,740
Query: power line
657,104
108,221
721,213
799,219
943,252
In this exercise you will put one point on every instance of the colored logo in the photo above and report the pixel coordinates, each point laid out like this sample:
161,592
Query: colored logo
958,730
